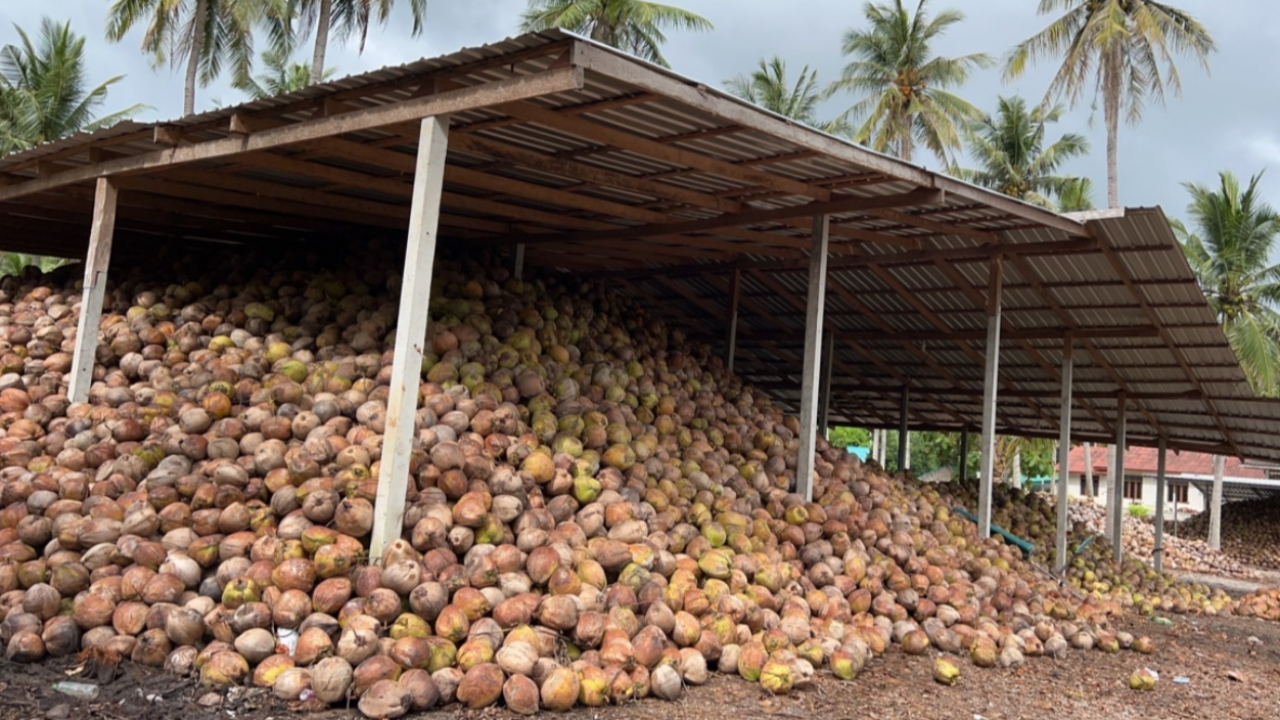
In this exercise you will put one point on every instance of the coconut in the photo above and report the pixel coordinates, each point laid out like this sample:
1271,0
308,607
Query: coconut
666,683
224,668
291,683
331,679
270,669
560,690
481,686
521,695
385,699
423,694
945,671
256,645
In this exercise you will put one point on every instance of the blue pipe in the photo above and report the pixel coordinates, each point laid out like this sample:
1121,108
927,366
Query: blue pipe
1026,547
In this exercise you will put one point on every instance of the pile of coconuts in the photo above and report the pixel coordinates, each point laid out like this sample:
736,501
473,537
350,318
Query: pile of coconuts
1250,533
597,512
1180,553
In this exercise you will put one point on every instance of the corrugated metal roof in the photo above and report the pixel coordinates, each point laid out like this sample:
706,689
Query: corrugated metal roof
639,146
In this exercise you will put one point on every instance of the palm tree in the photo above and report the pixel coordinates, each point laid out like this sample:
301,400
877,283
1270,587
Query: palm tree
1122,49
767,87
1230,245
345,18
282,77
44,93
634,26
1076,195
203,33
1013,158
904,84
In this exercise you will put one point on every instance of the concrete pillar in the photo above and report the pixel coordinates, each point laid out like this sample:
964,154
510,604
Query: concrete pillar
1157,552
1117,512
101,233
904,435
812,356
991,377
1064,452
964,454
1088,471
411,331
1215,503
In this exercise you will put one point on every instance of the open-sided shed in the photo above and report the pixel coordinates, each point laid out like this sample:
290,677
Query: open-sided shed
852,286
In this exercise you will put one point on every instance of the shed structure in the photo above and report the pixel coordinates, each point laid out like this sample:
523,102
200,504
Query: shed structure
809,262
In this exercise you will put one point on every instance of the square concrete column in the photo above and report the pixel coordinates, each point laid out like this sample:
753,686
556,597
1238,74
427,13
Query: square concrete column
812,355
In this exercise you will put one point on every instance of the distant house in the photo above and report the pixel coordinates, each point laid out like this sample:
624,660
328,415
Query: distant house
1188,477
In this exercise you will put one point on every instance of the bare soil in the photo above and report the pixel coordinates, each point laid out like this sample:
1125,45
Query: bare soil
1229,678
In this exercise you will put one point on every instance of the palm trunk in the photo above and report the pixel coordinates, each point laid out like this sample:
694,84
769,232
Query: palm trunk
322,41
1111,101
198,25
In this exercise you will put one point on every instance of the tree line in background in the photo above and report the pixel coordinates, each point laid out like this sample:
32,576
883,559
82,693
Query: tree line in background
905,100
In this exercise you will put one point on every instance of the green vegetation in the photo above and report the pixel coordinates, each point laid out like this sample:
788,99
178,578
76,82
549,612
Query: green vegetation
634,26
902,85
1139,511
1122,50
1014,159
1230,244
768,87
44,89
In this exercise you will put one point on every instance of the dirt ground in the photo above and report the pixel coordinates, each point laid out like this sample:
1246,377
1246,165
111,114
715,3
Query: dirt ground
1230,678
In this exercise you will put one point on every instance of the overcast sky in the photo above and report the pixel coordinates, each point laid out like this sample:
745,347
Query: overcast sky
1227,120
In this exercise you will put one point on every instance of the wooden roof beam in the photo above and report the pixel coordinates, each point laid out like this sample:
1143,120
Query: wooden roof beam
460,100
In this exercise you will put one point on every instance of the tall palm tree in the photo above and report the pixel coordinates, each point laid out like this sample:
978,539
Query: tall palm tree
1076,195
203,33
767,86
1230,244
634,26
1013,157
903,83
343,18
1122,50
282,77
44,93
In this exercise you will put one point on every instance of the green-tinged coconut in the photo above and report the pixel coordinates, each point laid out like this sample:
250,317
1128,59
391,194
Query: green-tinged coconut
983,652
224,668
945,671
776,677
1142,680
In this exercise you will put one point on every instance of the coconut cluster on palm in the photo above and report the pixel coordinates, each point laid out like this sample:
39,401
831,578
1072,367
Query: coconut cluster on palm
598,512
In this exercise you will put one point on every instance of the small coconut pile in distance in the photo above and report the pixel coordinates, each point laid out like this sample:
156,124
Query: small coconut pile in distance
1181,554
1250,533
597,512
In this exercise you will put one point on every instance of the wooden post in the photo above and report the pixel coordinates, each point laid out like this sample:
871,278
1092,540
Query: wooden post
1064,451
904,443
1215,502
518,270
990,378
411,333
1117,492
964,454
824,382
95,285
731,340
1157,552
812,358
